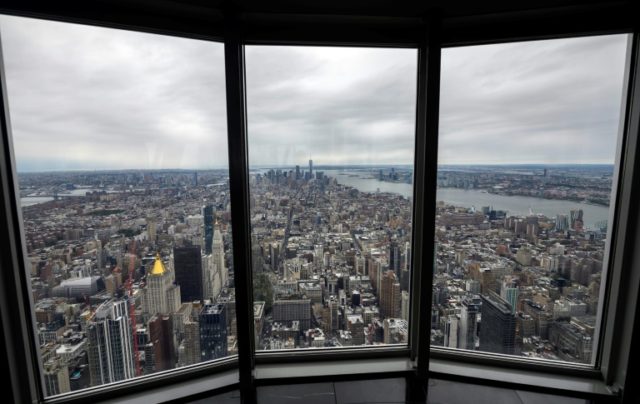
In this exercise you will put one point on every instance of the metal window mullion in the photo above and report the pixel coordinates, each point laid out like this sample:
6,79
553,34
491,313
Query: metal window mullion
621,324
239,192
426,166
621,233
18,326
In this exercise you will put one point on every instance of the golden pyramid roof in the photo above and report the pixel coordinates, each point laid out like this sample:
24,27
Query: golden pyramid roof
158,266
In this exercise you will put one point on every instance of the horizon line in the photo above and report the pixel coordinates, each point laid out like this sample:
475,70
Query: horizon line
316,166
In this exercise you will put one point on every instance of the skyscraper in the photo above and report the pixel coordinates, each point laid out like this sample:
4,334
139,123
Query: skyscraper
498,326
213,332
220,273
390,297
468,323
394,258
451,331
509,292
190,348
151,229
161,337
576,217
188,267
405,274
310,168
161,294
562,222
208,215
110,343
56,376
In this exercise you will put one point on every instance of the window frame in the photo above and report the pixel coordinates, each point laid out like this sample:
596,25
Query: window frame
22,347
429,33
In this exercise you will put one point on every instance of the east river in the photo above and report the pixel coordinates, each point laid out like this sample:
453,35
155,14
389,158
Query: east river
514,205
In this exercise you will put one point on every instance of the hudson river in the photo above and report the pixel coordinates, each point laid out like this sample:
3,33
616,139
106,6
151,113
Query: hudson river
514,205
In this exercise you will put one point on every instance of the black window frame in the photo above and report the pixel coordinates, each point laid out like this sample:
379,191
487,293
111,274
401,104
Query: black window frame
429,31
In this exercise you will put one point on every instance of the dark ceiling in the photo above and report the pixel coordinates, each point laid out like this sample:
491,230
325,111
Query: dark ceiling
397,22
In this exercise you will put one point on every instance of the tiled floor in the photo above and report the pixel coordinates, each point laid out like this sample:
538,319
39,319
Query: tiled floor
446,392
389,391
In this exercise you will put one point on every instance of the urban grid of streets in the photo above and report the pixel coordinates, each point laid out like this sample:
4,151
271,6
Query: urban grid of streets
331,267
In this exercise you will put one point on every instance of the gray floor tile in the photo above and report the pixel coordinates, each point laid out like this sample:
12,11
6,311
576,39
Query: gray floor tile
312,393
371,391
446,392
528,397
231,397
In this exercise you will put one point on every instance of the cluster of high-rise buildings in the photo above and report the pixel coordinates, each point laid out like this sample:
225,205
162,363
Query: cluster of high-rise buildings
332,263
516,285
97,321
136,277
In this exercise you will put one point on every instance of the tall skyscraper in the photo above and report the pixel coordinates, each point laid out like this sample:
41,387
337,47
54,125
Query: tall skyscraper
562,222
161,294
220,273
161,337
468,323
394,258
310,168
405,274
213,331
190,348
576,217
208,215
56,376
390,297
404,306
498,325
334,318
451,331
509,292
151,229
207,276
110,343
188,267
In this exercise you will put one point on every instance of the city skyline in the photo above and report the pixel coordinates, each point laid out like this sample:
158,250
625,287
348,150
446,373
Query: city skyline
319,167
144,101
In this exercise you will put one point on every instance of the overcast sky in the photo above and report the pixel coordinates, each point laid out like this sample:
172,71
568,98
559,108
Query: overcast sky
95,98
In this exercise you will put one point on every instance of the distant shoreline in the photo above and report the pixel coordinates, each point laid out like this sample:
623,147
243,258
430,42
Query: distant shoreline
318,167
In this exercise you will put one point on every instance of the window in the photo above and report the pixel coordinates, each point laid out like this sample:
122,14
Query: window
122,157
526,185
331,144
121,152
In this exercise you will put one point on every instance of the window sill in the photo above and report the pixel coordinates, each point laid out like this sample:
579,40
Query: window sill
519,379
329,369
180,391
287,373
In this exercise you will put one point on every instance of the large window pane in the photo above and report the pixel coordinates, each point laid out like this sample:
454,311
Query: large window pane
331,143
121,154
527,153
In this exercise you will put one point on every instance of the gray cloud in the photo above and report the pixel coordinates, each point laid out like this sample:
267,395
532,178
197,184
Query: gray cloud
95,98
335,105
554,101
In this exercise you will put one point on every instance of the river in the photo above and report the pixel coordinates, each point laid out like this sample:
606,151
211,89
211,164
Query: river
514,205
34,200
364,181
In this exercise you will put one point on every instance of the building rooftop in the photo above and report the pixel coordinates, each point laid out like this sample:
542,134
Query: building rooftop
158,266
